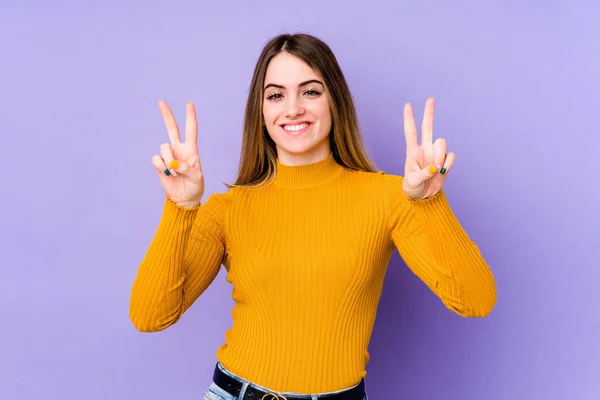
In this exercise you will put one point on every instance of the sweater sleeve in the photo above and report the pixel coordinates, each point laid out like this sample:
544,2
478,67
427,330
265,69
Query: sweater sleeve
183,259
437,249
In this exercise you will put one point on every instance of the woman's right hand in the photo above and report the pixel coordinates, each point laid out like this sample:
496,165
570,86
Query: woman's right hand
183,180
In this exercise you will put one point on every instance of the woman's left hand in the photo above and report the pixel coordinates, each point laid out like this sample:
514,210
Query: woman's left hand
427,165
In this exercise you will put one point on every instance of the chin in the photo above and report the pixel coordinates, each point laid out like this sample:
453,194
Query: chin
300,149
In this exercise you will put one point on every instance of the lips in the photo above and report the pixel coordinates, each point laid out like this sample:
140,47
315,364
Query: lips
296,128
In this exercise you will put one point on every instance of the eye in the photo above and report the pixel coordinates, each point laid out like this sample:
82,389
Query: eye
312,93
274,96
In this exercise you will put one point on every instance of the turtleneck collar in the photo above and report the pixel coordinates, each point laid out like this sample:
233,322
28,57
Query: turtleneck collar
307,176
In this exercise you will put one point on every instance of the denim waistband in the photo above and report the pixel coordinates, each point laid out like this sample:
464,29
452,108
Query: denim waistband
246,384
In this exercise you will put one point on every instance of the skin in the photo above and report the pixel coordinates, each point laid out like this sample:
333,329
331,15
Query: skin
425,162
185,183
293,94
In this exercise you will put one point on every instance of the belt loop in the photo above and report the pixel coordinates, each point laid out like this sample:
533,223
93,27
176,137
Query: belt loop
243,390
314,397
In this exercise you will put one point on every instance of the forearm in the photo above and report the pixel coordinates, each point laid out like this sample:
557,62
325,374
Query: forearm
446,258
156,296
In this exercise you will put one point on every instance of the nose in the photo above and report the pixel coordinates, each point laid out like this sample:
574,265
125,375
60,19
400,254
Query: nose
294,108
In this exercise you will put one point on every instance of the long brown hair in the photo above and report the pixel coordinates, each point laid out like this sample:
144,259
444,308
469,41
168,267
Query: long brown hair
258,158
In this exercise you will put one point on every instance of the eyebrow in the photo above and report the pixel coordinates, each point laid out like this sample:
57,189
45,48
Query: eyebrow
300,85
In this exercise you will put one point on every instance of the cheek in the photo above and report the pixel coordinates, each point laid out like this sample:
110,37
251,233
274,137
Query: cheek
324,115
322,107
270,113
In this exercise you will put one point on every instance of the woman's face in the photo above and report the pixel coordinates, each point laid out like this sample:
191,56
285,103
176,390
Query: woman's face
296,111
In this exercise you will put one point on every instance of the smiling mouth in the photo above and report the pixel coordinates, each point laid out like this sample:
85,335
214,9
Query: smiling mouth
296,129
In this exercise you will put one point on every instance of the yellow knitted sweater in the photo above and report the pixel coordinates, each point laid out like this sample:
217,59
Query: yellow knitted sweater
306,256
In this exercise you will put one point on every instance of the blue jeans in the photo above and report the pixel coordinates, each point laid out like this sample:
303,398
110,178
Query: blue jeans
214,392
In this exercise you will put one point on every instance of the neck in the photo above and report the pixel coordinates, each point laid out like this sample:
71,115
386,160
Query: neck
320,152
307,175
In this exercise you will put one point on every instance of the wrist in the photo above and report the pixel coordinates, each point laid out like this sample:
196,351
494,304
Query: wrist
188,204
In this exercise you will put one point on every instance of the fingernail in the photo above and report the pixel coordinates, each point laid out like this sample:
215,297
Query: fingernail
174,163
432,169
167,172
443,171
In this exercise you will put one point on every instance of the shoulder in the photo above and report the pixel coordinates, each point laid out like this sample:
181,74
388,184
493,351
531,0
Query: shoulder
218,202
229,197
388,183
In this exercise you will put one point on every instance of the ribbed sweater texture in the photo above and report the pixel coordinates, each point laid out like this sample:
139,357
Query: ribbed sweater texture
306,256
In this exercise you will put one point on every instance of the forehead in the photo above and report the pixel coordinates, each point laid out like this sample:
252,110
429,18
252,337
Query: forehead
288,70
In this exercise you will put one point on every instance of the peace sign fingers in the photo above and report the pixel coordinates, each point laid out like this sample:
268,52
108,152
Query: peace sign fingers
179,166
410,128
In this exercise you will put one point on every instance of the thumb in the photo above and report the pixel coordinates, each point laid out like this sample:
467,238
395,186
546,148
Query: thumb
427,173
185,169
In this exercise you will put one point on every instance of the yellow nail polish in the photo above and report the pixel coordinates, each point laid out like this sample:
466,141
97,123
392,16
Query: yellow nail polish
174,163
432,169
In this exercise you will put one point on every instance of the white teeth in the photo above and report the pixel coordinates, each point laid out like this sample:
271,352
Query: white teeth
293,128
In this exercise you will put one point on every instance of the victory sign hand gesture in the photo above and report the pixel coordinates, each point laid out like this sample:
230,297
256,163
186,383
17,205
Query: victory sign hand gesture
178,166
427,164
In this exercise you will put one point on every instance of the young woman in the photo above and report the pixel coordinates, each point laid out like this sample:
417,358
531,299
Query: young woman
305,233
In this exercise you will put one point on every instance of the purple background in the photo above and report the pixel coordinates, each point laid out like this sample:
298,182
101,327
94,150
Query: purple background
517,89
